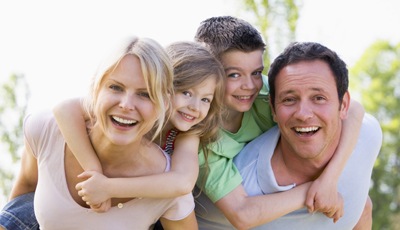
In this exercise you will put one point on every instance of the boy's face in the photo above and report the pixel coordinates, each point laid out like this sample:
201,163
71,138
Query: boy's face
244,80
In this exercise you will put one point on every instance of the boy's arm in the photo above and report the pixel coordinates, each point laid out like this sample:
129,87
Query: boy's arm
71,119
246,212
180,180
323,192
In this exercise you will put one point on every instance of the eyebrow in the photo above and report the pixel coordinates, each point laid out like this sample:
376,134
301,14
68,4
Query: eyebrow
293,91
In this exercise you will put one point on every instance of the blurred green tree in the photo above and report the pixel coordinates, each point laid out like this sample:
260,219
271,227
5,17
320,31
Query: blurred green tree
377,77
276,21
14,94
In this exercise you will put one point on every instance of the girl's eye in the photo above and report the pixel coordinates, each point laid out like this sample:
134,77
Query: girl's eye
187,93
206,100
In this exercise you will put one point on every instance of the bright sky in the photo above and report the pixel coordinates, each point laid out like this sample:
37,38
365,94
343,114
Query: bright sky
57,44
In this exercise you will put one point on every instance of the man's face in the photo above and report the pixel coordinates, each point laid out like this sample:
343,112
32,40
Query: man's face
307,109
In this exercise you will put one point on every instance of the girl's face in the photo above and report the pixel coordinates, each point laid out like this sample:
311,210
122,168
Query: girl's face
124,109
244,80
191,106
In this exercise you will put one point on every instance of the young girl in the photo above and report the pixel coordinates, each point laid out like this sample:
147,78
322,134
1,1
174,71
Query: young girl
128,98
195,118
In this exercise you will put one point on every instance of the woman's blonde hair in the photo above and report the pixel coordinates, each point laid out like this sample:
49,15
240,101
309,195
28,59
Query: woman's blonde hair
157,72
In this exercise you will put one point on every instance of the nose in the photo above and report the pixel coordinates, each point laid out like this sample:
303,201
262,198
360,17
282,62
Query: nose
194,104
127,102
248,82
304,111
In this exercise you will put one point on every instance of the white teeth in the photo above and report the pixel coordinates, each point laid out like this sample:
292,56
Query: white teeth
243,97
187,116
124,121
306,129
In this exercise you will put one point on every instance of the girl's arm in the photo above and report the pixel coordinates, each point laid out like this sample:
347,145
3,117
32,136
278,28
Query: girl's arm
71,120
178,181
322,194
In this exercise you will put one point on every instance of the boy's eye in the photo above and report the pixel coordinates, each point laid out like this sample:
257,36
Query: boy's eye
233,75
257,73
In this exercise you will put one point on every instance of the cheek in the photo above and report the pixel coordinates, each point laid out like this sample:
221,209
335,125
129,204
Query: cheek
231,86
148,110
258,83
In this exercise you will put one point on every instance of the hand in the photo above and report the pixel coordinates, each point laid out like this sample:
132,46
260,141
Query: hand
102,207
93,190
323,197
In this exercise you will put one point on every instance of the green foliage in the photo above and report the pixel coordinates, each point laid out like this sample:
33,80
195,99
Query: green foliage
277,18
14,94
377,76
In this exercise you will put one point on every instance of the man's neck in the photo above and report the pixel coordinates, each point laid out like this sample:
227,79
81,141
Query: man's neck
289,168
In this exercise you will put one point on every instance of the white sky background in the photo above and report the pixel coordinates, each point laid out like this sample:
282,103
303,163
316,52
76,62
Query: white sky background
57,45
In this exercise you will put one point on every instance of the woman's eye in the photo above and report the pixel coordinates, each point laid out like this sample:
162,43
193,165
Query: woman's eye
144,94
116,87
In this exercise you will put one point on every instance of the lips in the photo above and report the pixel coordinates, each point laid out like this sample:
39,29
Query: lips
123,122
306,130
187,116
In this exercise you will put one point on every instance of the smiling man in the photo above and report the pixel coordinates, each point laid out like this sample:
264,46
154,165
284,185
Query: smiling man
309,98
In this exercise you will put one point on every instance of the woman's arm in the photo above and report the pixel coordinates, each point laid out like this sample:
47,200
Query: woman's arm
71,120
189,223
322,195
28,175
178,181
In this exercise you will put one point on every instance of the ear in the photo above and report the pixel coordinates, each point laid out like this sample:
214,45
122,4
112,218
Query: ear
344,107
272,109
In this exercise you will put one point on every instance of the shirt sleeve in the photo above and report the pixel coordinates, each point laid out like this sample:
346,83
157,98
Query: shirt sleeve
218,175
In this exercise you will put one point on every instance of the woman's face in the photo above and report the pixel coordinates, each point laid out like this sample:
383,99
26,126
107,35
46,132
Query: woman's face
124,109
